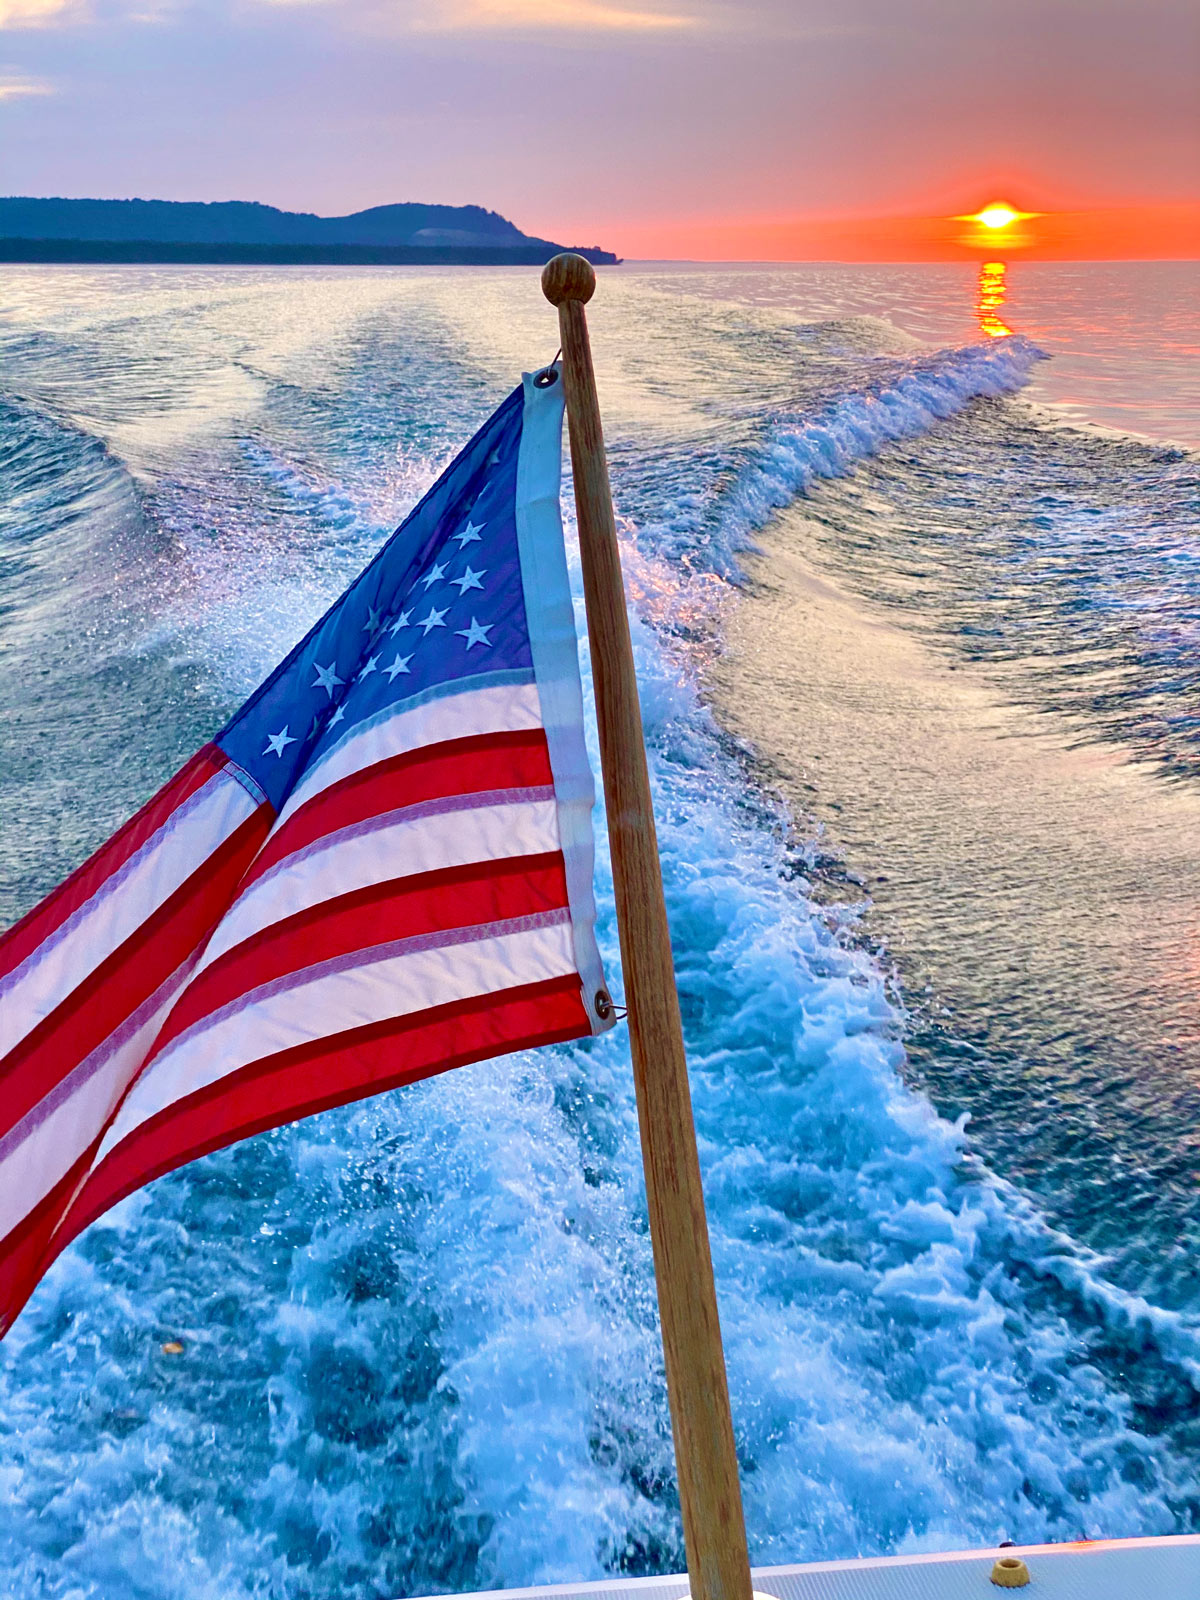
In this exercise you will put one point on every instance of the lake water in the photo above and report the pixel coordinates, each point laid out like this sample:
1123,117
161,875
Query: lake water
914,557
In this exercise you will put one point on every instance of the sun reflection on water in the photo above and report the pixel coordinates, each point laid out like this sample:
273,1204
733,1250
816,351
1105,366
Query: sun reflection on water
989,299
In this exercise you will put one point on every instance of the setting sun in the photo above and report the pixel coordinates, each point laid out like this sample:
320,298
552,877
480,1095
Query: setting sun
995,222
996,216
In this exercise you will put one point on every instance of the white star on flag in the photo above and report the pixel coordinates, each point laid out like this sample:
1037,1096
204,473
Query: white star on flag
404,620
433,620
432,576
277,743
469,580
398,666
477,633
372,622
326,678
335,718
371,666
470,533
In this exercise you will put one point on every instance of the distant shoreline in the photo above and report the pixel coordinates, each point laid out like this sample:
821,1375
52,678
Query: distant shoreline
150,252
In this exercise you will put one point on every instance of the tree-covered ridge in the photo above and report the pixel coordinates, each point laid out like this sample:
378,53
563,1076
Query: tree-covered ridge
246,222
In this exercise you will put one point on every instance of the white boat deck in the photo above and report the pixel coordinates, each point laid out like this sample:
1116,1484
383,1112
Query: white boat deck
1107,1569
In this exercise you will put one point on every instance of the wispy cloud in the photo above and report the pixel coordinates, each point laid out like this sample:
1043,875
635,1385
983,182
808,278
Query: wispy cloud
394,16
14,87
578,16
36,13
505,16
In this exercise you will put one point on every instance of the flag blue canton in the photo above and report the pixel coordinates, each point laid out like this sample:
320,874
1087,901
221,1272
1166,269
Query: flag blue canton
440,609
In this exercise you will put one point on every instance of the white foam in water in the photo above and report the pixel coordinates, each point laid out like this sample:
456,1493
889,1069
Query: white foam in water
919,393
893,1387
449,1373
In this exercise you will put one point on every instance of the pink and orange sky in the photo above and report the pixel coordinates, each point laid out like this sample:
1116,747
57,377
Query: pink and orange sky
718,129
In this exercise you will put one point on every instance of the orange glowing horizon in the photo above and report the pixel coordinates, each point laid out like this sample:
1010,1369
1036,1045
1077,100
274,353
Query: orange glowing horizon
1156,232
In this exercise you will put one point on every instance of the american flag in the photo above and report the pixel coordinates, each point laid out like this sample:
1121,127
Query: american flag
379,869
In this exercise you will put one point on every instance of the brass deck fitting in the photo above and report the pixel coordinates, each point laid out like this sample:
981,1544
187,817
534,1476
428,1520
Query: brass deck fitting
1010,1572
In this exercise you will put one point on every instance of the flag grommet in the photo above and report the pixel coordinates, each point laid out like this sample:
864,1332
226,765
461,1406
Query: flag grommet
603,1005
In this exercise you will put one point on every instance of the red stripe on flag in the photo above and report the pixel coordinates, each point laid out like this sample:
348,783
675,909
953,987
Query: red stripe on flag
27,1251
307,1079
23,938
426,902
129,976
473,765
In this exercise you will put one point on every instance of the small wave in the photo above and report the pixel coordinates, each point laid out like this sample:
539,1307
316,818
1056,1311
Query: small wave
54,476
1062,557
800,449
828,438
331,502
71,525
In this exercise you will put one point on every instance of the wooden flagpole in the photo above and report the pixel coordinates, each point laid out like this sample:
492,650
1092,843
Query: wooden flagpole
705,1457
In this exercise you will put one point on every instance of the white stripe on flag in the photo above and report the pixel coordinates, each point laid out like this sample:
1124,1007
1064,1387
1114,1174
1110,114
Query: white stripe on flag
357,858
44,1145
299,1012
504,708
119,907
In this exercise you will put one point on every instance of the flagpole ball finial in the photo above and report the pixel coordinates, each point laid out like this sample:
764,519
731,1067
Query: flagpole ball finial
568,277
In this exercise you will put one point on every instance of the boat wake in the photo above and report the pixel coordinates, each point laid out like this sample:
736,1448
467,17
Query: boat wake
828,440
420,1349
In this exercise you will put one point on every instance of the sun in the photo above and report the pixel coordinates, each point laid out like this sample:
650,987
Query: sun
997,215
996,226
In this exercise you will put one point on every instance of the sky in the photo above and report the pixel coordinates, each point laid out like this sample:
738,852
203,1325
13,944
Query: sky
719,129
